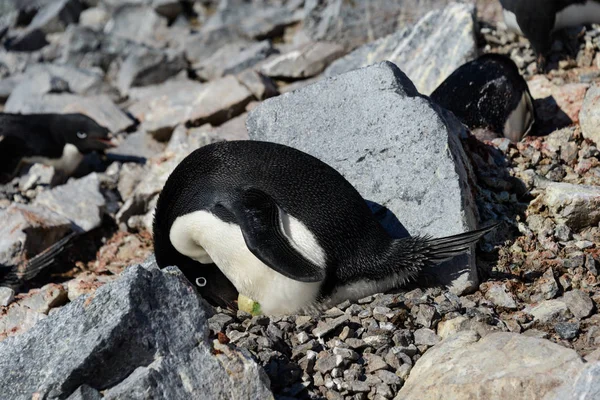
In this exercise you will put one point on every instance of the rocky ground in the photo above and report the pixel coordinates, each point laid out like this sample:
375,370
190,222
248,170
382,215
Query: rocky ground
169,76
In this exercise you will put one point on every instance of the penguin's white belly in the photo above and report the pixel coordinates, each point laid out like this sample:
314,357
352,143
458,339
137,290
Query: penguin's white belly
205,238
578,14
520,119
67,163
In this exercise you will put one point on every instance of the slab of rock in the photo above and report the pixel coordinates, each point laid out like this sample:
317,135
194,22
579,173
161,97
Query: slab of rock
577,206
590,114
309,60
500,365
427,52
353,23
56,15
7,295
26,99
501,296
81,81
128,340
261,86
43,299
27,230
164,106
79,200
138,24
18,319
392,144
233,58
549,311
579,303
149,67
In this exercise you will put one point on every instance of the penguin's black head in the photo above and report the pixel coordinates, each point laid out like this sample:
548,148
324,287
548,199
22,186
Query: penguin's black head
82,132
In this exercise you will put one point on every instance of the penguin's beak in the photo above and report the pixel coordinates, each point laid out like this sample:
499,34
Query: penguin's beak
105,143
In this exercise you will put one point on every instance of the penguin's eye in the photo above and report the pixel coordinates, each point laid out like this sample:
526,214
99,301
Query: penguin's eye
201,282
81,135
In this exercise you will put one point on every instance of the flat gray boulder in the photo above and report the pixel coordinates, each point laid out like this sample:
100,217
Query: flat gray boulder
427,52
142,336
395,146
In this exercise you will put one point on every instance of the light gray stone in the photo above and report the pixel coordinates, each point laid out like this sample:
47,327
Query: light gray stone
427,52
392,144
589,115
27,230
353,23
426,336
160,108
128,340
18,319
550,310
81,81
94,18
577,206
585,386
305,62
43,299
579,303
149,67
78,200
261,86
500,365
233,58
501,297
56,15
7,295
139,24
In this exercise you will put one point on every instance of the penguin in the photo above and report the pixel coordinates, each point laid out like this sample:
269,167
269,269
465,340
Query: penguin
538,19
286,229
59,140
489,93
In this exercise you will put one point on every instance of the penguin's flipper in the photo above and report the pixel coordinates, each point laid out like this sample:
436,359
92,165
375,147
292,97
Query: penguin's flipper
258,215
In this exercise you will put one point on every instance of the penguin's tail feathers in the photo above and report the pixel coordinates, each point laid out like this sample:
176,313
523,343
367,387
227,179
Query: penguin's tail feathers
418,252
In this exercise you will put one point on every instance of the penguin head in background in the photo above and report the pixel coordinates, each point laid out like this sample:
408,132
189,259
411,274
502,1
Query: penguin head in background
82,132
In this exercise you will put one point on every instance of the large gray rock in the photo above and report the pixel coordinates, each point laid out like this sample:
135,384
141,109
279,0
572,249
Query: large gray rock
142,336
500,365
353,23
79,200
589,115
27,230
391,143
427,52
160,108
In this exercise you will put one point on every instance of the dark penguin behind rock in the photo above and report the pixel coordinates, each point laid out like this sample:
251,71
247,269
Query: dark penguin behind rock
286,229
489,94
59,140
538,19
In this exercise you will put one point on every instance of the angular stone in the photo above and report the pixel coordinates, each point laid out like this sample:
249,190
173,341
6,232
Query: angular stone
94,18
426,316
85,392
138,144
500,365
326,363
138,24
427,52
16,320
353,23
547,287
451,327
567,330
326,327
426,336
309,60
149,67
549,311
27,230
79,200
590,114
392,144
160,108
127,339
100,108
579,303
81,81
261,86
43,299
577,206
374,363
233,58
501,297
7,295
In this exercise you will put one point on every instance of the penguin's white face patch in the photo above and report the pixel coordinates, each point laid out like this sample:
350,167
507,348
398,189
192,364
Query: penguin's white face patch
202,236
510,19
578,14
302,239
67,163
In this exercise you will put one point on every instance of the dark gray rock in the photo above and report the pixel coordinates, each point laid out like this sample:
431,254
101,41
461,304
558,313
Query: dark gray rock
305,62
129,340
85,392
78,200
148,67
353,23
233,58
567,330
427,52
55,16
392,144
27,230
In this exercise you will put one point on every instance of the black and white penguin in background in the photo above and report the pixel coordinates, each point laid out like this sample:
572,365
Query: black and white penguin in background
489,94
59,140
538,19
285,228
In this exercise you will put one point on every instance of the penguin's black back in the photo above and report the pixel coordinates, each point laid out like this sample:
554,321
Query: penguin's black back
303,186
482,93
